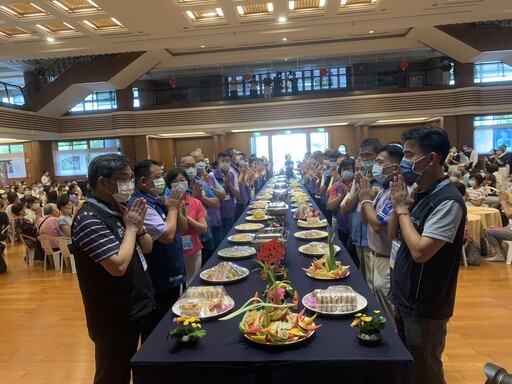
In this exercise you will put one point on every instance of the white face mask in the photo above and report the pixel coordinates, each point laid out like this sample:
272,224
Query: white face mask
471,183
124,191
191,173
225,166
453,179
180,186
201,166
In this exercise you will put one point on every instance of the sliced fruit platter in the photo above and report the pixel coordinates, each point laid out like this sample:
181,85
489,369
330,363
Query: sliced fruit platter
311,235
274,325
312,223
236,252
320,270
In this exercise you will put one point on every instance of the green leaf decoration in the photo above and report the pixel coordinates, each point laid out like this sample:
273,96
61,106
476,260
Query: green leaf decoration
330,261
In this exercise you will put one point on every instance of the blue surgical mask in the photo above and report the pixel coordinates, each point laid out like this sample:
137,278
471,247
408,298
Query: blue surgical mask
407,168
347,176
191,173
377,173
201,166
181,186
367,164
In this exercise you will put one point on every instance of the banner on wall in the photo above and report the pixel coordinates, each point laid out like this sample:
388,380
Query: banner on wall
15,165
76,163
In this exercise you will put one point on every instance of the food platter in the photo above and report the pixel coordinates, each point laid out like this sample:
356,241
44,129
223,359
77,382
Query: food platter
325,278
259,205
337,309
209,311
311,235
316,248
238,252
263,218
249,227
225,272
288,343
241,238
307,224
296,204
319,269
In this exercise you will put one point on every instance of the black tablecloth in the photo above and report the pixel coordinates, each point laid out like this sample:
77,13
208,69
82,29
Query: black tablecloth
331,355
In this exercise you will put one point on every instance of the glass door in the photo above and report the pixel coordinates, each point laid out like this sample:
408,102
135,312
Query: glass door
294,145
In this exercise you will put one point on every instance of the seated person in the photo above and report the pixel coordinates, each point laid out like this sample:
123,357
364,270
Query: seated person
496,236
48,225
475,195
22,226
455,176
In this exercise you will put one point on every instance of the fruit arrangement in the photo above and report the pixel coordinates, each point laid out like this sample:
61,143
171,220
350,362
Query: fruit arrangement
327,267
305,212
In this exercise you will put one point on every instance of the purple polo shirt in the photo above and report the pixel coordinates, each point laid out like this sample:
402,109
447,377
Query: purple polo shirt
228,205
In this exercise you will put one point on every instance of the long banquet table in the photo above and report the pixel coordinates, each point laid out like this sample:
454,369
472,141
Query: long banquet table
331,355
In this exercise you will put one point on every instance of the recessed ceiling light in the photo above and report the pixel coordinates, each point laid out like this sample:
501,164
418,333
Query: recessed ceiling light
50,39
370,31
284,39
285,59
202,46
282,19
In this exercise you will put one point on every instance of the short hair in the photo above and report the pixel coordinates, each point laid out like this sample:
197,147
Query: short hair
394,152
430,139
11,197
226,154
456,174
49,208
105,166
347,162
183,156
371,142
317,154
173,174
63,201
478,177
334,154
460,187
142,168
17,208
61,187
32,200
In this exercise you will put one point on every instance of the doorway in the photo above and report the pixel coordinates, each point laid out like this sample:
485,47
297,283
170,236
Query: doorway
293,144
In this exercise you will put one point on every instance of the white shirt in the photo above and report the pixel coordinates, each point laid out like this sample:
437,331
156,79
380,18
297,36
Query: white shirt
473,158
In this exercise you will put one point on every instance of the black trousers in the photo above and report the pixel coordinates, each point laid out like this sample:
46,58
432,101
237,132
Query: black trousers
164,301
114,347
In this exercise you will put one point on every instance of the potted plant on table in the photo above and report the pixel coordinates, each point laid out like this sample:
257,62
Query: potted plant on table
188,330
369,328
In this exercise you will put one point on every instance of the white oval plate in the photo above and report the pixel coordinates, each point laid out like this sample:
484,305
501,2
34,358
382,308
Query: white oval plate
305,224
303,249
301,235
242,252
361,304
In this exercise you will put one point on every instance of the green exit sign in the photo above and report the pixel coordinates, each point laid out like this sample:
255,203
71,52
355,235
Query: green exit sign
256,134
320,130
287,132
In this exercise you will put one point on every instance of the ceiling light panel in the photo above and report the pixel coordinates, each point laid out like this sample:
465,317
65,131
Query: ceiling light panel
24,11
57,29
358,4
194,2
206,16
306,6
105,25
76,7
250,12
15,33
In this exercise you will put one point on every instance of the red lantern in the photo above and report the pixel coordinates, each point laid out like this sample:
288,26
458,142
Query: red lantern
247,77
403,65
324,72
174,82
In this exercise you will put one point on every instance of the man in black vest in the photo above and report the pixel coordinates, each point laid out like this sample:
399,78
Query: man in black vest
116,289
427,233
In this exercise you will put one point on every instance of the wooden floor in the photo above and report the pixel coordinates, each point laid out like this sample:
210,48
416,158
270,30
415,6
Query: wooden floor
43,337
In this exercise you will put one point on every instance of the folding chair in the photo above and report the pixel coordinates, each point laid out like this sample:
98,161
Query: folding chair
28,251
49,252
65,253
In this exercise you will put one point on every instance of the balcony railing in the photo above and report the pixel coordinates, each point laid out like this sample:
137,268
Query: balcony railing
11,94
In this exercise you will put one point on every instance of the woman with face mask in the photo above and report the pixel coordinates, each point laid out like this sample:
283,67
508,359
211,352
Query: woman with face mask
340,188
195,213
475,194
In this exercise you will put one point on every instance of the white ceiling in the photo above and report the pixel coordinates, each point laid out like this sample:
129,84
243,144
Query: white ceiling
162,26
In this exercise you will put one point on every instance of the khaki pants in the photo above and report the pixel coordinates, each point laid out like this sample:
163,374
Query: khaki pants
381,283
365,263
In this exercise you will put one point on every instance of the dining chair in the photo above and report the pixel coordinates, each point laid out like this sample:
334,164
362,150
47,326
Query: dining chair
28,251
11,232
49,252
65,253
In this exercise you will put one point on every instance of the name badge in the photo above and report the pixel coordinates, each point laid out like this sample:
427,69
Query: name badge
228,197
187,242
141,257
395,246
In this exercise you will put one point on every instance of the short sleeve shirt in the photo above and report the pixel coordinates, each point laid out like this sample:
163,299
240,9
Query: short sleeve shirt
196,212
154,223
94,238
381,243
440,224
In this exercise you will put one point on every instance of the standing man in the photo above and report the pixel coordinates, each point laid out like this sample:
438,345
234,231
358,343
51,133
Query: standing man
164,222
368,150
216,188
473,156
375,214
228,180
428,233
109,243
45,179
